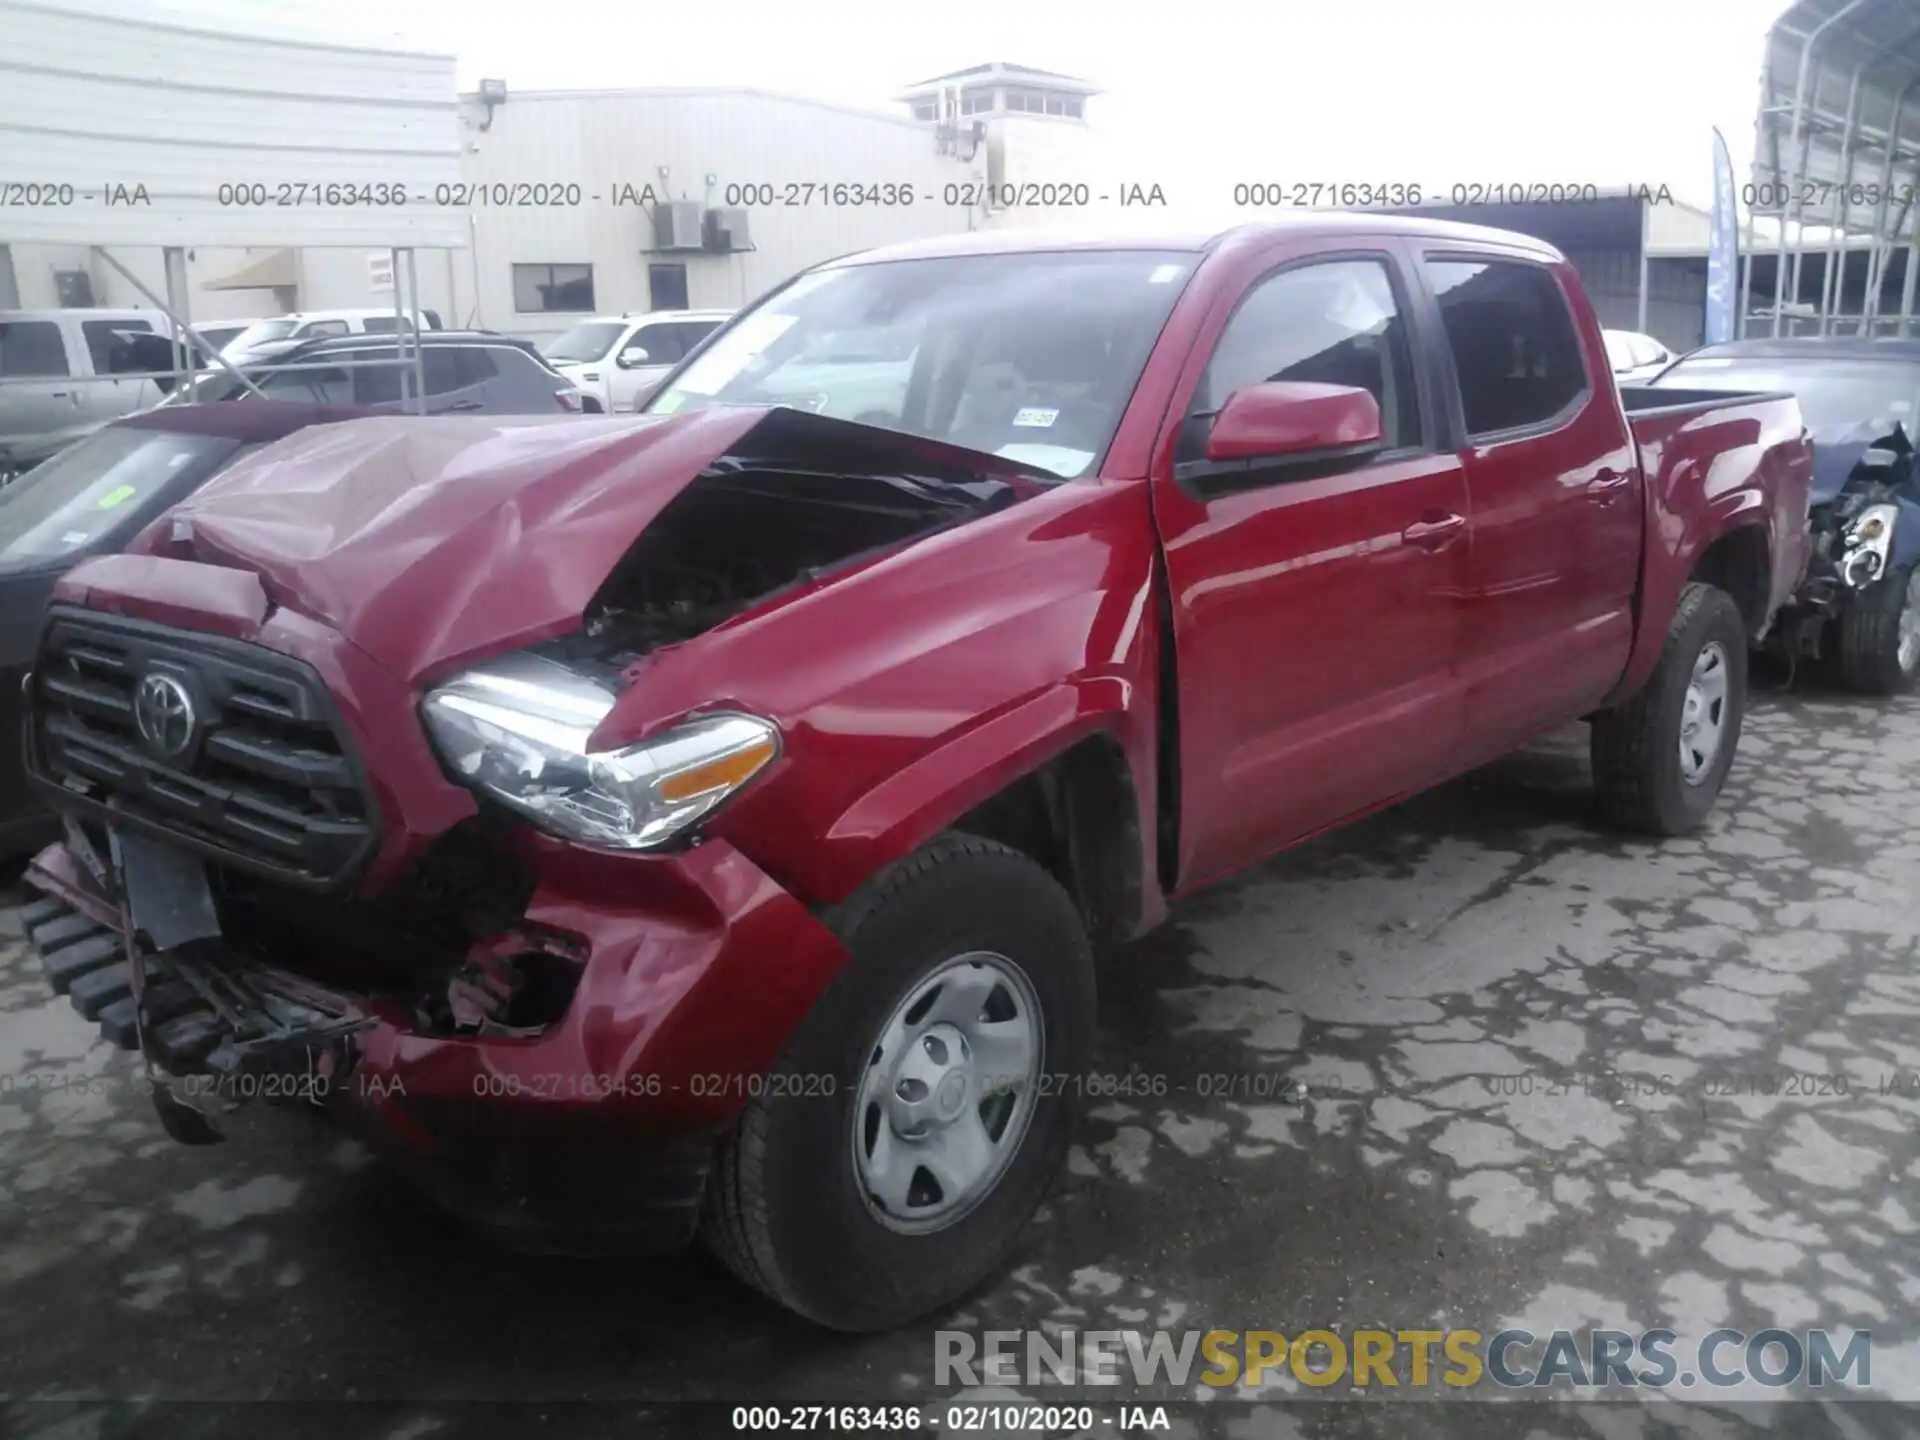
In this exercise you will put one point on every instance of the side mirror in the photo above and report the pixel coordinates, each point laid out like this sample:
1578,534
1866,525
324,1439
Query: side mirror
633,357
1295,420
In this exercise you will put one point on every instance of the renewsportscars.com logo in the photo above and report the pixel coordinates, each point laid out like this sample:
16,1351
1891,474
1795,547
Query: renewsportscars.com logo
1388,1359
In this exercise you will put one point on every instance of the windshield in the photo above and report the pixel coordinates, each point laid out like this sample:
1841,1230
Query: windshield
1029,356
95,487
261,333
1839,399
584,342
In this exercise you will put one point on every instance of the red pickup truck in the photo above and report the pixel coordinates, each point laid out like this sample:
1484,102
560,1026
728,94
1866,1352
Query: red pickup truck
706,821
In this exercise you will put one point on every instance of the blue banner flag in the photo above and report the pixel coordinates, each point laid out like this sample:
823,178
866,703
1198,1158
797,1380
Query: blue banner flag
1723,248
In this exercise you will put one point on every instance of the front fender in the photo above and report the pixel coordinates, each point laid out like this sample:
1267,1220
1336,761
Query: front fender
1906,534
913,689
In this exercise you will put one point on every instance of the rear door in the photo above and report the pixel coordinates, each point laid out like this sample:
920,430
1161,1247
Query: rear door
1556,500
41,404
1315,613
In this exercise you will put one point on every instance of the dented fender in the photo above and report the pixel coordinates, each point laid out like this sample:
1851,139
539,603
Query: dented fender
914,689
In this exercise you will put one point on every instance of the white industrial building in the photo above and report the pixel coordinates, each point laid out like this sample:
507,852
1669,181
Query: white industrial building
524,211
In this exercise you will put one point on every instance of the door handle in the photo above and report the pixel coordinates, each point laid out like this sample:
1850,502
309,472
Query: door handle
1606,485
1436,532
466,405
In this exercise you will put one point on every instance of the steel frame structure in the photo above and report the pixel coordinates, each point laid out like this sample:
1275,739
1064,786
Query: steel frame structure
1837,163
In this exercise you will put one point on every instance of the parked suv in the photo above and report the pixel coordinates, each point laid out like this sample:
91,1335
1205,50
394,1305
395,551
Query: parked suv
622,358
54,388
266,339
465,371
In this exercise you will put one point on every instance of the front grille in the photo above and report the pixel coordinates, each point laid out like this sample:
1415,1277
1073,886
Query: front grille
264,780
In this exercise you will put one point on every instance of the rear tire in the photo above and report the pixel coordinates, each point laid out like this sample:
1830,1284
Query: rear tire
1651,769
1879,650
793,1207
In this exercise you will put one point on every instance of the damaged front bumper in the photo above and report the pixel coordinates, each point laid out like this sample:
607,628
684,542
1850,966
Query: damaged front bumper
591,1135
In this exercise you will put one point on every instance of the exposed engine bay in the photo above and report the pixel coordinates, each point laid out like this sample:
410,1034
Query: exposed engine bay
746,530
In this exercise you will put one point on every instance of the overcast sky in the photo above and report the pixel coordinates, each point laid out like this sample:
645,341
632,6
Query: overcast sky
1201,93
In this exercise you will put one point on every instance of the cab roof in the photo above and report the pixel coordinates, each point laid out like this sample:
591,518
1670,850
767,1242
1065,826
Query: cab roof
1306,225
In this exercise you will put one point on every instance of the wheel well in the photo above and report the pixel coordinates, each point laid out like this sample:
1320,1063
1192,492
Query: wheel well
1740,563
1077,817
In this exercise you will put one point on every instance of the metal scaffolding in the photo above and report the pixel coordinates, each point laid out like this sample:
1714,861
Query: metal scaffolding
1836,172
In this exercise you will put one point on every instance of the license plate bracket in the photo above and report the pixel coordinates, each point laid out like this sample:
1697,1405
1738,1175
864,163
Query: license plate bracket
166,890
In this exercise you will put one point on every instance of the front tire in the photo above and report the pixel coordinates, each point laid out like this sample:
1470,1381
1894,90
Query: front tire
1880,636
907,1185
1660,758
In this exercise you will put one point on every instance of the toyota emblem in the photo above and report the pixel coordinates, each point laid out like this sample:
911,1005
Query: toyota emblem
163,710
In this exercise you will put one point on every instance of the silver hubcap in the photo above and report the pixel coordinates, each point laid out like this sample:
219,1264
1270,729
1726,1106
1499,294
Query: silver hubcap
1703,717
948,1093
1909,653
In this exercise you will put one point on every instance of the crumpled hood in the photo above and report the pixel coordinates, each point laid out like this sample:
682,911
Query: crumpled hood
1838,452
428,540
435,541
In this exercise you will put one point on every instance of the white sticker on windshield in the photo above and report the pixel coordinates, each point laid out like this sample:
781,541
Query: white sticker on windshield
75,537
1900,407
1162,274
1058,459
1035,417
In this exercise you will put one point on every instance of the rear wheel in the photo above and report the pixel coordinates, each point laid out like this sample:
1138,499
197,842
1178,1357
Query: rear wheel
906,1183
1660,758
1880,636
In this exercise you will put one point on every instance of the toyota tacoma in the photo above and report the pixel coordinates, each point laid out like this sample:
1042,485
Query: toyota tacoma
705,822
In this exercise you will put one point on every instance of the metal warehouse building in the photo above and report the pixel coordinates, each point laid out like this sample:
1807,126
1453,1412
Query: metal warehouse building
531,209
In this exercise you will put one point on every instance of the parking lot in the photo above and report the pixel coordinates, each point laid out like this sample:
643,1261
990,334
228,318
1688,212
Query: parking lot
1550,1077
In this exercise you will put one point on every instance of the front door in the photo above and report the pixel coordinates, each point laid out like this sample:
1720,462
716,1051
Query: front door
1315,614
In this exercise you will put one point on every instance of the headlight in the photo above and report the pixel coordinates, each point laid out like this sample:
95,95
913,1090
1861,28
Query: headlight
517,728
1869,539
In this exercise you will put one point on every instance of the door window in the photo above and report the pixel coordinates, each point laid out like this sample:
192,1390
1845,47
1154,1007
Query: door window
661,342
692,332
307,387
31,347
443,369
1515,350
101,337
322,329
1334,322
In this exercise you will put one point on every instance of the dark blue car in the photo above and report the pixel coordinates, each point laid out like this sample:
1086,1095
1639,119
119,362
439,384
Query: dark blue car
1860,602
91,499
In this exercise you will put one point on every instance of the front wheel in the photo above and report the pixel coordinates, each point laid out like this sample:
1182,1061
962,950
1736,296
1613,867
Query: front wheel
1660,759
898,1176
1880,636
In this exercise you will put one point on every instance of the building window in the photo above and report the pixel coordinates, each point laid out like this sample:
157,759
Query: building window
976,101
926,109
74,288
1076,107
666,287
542,289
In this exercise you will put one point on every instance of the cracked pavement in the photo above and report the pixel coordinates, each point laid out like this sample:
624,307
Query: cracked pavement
1553,1077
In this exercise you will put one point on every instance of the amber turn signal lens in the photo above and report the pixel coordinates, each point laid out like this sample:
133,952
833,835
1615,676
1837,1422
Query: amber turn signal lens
723,773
